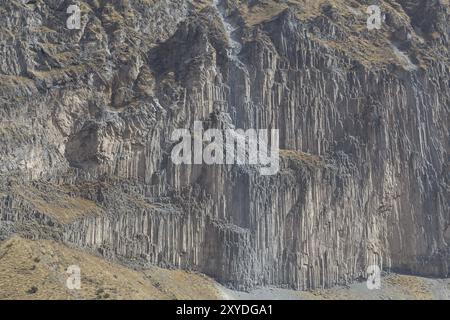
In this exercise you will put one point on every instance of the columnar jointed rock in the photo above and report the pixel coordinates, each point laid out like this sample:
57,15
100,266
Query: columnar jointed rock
86,119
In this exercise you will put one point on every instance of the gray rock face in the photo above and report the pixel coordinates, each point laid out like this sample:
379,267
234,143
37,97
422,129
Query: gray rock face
87,115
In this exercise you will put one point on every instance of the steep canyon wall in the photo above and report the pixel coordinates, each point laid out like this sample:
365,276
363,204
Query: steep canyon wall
87,115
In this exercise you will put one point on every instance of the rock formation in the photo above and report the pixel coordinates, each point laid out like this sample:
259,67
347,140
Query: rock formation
86,118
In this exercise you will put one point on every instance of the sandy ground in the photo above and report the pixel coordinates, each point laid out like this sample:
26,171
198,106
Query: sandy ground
393,287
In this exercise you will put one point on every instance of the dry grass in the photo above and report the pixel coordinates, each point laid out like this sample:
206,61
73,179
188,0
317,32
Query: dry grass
178,284
57,204
200,4
26,264
13,81
306,158
395,286
411,286
59,73
264,11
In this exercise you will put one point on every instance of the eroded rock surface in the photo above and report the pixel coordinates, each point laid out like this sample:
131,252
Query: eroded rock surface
86,118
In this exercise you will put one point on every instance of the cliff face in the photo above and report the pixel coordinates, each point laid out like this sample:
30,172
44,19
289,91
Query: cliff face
87,115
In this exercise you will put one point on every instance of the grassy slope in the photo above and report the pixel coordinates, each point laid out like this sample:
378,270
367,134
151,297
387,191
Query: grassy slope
42,264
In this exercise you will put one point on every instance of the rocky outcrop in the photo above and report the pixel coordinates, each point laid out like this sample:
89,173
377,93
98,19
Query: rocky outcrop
87,116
